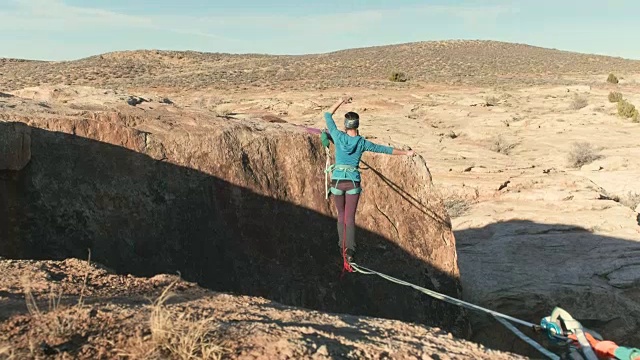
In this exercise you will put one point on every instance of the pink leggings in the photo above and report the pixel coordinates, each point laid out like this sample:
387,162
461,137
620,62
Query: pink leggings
346,205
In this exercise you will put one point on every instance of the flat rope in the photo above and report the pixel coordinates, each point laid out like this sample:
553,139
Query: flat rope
498,316
527,339
437,295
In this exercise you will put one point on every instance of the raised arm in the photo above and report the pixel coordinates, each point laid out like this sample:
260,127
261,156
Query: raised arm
335,106
328,116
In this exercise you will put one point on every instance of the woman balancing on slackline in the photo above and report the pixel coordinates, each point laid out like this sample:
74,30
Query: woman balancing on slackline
345,177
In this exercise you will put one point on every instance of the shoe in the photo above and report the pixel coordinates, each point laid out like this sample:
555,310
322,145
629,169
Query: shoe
350,255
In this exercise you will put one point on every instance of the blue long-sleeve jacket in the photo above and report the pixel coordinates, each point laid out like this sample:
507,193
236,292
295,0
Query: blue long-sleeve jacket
349,149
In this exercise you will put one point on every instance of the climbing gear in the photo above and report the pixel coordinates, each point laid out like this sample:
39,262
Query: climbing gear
349,169
560,327
560,324
326,174
324,138
527,339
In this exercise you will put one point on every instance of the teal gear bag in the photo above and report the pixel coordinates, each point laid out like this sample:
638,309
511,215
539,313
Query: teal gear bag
324,138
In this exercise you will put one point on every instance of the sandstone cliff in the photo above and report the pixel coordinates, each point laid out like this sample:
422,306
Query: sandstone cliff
237,206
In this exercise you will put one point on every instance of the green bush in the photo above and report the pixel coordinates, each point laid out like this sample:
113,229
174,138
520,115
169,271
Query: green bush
627,110
615,96
398,77
612,79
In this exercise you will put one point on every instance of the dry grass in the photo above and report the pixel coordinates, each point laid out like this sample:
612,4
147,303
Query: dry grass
579,102
457,205
53,319
7,352
491,101
176,336
224,110
582,153
632,200
501,145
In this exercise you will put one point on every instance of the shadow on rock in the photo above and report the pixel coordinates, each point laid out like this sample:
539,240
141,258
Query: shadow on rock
525,269
144,216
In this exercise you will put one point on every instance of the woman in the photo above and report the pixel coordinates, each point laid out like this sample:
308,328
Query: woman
345,176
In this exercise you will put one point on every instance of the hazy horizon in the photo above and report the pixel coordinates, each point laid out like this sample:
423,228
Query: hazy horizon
55,30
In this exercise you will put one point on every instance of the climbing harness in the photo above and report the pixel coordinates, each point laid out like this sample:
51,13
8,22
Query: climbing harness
560,327
329,168
349,170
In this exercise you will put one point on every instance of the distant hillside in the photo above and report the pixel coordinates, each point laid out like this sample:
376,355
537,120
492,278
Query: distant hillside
452,62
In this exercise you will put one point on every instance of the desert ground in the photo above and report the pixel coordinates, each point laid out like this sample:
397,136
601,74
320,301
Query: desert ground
536,169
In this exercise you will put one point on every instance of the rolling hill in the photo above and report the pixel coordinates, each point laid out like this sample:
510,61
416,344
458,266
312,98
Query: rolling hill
478,63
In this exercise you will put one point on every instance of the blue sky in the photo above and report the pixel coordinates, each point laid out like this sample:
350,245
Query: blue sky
72,29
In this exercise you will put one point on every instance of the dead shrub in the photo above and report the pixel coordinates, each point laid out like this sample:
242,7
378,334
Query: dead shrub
491,101
397,76
176,336
582,153
579,102
501,145
224,110
632,200
456,205
7,353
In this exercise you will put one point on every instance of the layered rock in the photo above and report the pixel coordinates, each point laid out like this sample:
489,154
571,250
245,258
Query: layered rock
237,206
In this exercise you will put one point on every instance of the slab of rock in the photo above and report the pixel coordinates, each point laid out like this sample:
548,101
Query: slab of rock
238,206
119,319
15,146
525,269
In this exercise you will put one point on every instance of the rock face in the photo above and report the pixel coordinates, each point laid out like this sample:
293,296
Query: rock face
524,269
237,206
15,146
15,153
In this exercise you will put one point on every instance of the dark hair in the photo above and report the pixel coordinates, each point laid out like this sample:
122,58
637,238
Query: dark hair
351,120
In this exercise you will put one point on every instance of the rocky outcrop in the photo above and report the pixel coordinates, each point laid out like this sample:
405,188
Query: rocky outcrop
15,146
525,269
15,154
118,315
237,206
